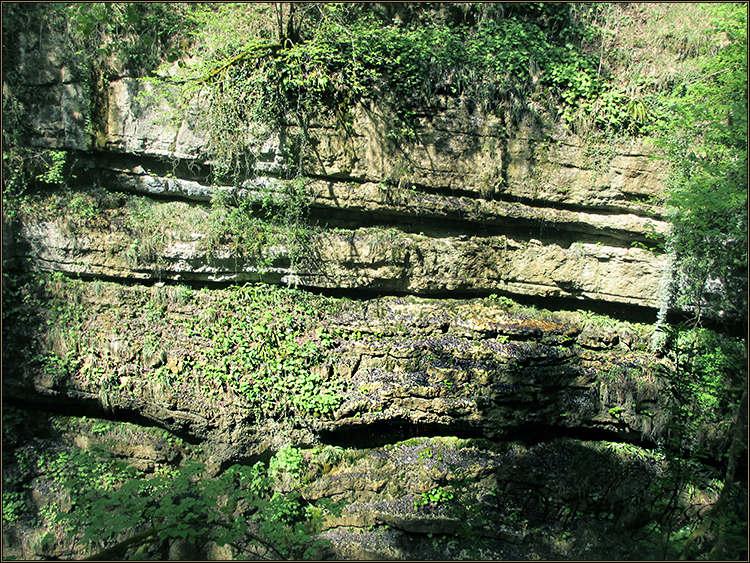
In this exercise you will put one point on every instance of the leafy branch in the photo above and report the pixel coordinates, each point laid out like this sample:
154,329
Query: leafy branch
183,506
110,553
252,52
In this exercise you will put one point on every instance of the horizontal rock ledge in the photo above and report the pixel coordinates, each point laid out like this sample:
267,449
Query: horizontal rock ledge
368,199
368,259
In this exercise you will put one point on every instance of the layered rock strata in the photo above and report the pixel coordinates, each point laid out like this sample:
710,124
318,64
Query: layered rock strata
478,206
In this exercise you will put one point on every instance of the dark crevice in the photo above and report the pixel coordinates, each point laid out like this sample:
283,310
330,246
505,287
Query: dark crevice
598,210
79,407
360,436
337,179
420,188
619,311
184,169
624,312
444,226
200,172
532,434
383,433
405,219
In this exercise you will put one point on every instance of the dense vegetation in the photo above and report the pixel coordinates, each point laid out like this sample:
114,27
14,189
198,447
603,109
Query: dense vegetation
268,67
110,507
325,58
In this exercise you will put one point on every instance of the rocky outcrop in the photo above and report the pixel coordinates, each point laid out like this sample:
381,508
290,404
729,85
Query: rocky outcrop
451,498
385,260
401,367
473,206
420,499
449,421
449,415
454,149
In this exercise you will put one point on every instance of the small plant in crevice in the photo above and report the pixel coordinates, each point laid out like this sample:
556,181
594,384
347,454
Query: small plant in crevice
14,505
274,222
54,168
332,455
101,428
325,458
287,467
434,497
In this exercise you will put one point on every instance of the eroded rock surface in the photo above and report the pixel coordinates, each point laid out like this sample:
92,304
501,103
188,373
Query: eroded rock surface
467,205
400,367
442,410
366,258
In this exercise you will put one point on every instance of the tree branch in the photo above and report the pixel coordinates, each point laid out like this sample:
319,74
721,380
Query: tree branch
255,538
109,553
272,47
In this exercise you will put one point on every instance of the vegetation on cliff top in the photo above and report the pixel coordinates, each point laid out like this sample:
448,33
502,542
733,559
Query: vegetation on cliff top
325,58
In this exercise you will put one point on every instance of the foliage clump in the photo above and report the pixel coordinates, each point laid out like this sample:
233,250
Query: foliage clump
109,509
262,348
707,142
329,57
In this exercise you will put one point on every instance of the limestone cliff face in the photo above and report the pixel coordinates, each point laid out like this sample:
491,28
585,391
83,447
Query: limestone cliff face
471,204
429,373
